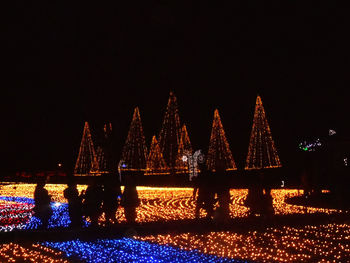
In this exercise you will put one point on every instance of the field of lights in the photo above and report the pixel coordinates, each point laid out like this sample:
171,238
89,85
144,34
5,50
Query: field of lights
307,243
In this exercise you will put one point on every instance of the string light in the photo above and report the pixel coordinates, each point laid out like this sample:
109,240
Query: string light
329,242
262,152
12,252
155,161
310,146
17,207
324,243
103,150
157,204
184,146
101,159
219,149
87,159
131,250
169,136
331,132
192,161
135,151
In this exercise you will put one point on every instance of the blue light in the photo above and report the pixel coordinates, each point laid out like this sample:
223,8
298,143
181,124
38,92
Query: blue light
59,218
130,250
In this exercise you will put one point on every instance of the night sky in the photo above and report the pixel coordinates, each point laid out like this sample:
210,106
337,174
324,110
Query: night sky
66,64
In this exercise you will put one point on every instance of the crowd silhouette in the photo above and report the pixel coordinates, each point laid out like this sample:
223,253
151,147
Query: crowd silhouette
213,192
259,198
104,196
91,203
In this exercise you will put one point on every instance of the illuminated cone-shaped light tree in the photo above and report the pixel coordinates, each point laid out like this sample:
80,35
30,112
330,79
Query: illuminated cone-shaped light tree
219,149
103,151
184,146
262,152
169,137
101,159
155,160
135,151
107,148
87,160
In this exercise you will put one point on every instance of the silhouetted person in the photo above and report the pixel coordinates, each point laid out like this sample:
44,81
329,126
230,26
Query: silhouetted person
42,200
253,199
130,199
111,195
267,209
205,197
222,190
256,199
92,201
74,205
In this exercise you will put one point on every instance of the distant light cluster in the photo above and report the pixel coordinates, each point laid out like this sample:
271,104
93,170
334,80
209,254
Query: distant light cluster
310,146
325,243
331,132
130,250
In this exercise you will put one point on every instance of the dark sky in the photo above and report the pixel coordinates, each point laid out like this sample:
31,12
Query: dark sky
69,63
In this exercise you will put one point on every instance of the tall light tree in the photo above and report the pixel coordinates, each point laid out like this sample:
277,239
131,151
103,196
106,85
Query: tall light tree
87,159
169,136
262,152
219,153
155,161
184,146
134,152
104,150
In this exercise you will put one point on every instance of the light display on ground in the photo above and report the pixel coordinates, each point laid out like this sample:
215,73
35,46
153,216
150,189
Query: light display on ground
157,204
23,218
310,243
17,207
12,252
130,250
325,243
